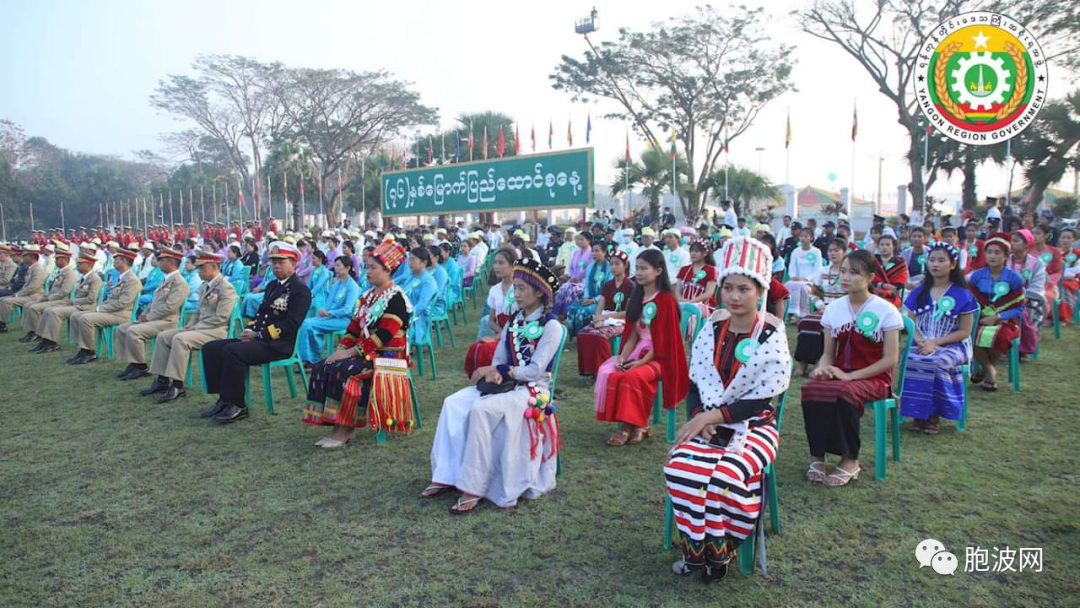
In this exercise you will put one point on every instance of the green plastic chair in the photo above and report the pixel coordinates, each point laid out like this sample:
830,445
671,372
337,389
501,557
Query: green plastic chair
890,407
554,382
966,371
268,384
1056,316
419,355
105,334
100,299
459,301
437,331
687,311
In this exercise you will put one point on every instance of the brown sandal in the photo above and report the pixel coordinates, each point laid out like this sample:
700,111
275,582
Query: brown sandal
618,438
434,490
459,508
640,435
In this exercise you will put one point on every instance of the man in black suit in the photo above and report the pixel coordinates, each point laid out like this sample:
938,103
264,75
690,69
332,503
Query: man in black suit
271,337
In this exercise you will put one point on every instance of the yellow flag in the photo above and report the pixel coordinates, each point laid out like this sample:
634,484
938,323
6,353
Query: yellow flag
787,138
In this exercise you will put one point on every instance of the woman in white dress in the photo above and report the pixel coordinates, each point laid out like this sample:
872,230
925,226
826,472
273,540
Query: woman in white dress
498,438
803,268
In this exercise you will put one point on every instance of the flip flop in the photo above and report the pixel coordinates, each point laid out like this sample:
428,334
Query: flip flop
978,377
456,509
434,490
990,387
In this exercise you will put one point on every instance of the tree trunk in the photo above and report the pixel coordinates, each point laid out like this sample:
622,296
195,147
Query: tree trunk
691,207
968,200
256,194
916,186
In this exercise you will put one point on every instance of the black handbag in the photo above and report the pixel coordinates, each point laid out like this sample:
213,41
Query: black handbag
490,388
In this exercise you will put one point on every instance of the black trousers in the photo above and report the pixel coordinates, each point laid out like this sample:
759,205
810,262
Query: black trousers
226,364
832,428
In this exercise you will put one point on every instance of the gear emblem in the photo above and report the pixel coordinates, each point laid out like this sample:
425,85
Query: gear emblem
981,96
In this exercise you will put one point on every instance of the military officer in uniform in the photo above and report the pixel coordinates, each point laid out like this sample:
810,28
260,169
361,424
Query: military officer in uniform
32,289
272,336
86,294
159,316
210,321
62,283
116,308
7,266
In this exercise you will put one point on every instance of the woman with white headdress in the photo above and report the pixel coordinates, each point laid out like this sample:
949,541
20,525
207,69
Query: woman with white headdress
738,364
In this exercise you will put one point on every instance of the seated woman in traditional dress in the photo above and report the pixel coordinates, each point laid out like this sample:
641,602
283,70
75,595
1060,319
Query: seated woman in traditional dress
738,364
1033,272
697,280
1070,274
422,291
861,348
573,280
651,351
810,341
803,265
333,315
498,438
1000,292
233,269
501,305
943,310
1052,259
366,380
594,346
466,262
890,272
580,313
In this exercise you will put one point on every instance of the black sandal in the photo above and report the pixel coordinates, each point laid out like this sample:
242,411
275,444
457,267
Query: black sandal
990,387
978,377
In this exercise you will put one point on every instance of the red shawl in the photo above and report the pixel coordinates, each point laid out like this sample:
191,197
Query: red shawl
886,275
668,347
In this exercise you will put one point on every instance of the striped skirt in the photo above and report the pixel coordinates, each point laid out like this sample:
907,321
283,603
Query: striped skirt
717,494
934,384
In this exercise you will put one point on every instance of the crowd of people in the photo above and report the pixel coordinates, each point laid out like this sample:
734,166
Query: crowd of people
657,313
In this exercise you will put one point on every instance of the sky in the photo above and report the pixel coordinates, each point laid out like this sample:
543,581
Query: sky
80,73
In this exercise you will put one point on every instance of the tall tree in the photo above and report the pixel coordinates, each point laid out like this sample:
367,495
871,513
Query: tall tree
745,187
339,114
652,177
1051,146
707,74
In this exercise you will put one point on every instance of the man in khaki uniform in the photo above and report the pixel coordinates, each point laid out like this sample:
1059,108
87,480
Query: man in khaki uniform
116,308
7,266
86,294
217,297
159,316
62,283
31,290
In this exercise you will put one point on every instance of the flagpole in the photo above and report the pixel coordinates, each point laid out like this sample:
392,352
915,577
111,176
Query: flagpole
285,191
228,214
240,200
303,203
63,226
926,165
202,205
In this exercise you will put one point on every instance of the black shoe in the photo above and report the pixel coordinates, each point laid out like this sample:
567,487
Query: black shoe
87,356
3,328
127,370
43,344
72,360
137,373
214,411
712,574
159,386
231,413
28,338
172,394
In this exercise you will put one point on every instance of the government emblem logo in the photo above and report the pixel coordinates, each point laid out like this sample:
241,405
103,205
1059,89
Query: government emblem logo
980,78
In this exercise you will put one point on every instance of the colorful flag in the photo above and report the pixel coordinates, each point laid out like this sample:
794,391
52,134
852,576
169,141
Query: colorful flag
457,146
787,136
430,151
534,137
485,142
588,128
674,136
727,138
854,122
470,141
627,146
551,133
517,140
570,132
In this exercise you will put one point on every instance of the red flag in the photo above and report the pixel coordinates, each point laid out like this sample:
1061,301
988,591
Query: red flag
430,151
628,147
517,141
569,133
470,140
854,123
502,142
534,137
485,142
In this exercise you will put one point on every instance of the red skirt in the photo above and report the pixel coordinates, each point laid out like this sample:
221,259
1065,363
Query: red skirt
594,347
480,355
853,392
1001,338
630,395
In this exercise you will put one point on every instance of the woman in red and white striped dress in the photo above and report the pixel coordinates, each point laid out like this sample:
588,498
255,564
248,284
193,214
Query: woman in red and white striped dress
739,363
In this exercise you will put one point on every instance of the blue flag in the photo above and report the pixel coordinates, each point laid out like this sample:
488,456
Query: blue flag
457,147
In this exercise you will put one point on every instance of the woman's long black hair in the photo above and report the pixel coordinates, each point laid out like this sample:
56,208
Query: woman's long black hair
653,258
956,277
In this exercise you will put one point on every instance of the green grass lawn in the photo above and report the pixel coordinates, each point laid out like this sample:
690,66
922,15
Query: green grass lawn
107,498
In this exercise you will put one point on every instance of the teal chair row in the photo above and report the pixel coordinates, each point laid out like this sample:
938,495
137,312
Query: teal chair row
419,353
887,412
267,378
105,335
687,312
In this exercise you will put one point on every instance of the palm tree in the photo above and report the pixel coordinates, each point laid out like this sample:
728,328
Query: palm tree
651,177
1050,146
744,187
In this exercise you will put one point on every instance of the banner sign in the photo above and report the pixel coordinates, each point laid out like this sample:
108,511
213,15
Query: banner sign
534,181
